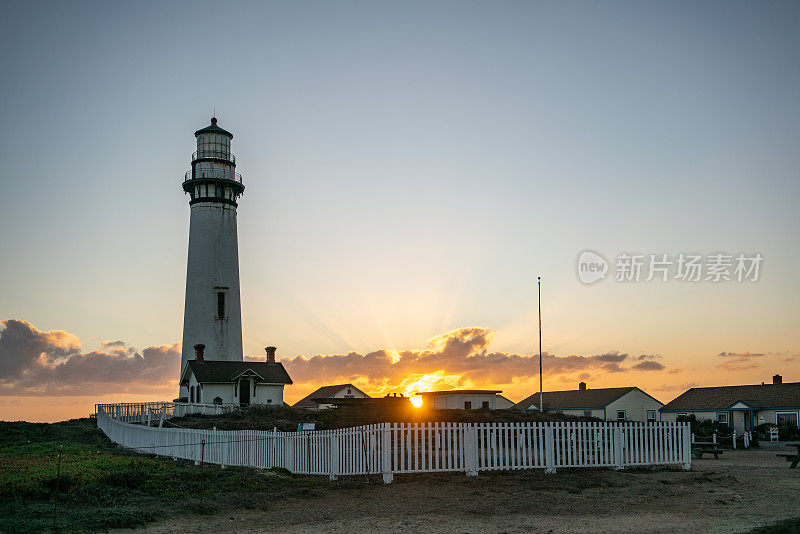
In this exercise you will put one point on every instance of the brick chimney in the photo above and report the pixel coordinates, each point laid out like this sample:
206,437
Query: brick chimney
582,386
777,379
198,352
270,354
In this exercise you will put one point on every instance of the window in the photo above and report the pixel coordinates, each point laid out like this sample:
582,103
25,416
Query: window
467,405
221,305
621,415
349,391
587,413
191,394
651,416
485,405
722,418
786,419
217,400
681,414
197,393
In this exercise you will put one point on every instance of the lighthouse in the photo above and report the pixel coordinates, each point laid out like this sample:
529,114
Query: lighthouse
212,313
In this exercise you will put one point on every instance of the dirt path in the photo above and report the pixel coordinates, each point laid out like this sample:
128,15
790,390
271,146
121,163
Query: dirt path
741,491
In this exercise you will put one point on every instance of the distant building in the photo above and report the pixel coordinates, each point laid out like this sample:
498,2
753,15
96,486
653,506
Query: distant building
460,399
502,403
609,404
338,391
742,408
226,382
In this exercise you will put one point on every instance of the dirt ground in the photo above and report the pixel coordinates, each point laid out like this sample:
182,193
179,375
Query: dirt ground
740,491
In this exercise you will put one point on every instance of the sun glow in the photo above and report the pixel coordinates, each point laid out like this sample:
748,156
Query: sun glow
416,401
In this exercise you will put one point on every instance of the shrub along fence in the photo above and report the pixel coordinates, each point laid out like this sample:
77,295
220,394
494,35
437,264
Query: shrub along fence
390,448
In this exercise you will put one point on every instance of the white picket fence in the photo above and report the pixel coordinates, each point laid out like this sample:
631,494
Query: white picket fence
147,412
390,448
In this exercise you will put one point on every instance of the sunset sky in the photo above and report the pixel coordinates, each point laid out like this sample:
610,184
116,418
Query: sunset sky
411,168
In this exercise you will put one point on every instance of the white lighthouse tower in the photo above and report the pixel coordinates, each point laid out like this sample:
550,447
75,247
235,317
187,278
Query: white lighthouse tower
212,314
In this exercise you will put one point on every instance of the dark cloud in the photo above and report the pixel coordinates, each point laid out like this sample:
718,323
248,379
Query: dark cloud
739,361
613,356
648,365
649,357
113,343
741,355
33,362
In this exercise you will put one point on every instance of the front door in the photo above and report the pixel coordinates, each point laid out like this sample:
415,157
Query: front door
244,392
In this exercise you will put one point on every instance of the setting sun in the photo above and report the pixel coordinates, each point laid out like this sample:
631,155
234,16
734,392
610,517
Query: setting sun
416,401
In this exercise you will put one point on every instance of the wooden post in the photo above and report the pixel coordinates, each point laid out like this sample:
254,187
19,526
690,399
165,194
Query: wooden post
687,446
619,463
549,449
58,483
202,454
386,454
334,452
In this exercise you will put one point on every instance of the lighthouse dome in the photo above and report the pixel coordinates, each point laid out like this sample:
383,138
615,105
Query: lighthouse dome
213,128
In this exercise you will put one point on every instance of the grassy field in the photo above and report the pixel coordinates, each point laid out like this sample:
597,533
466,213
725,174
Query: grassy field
102,486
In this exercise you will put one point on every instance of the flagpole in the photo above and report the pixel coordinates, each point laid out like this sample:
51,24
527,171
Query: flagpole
541,406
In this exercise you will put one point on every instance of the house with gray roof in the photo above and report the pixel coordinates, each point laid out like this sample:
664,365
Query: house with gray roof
609,404
232,382
337,391
742,408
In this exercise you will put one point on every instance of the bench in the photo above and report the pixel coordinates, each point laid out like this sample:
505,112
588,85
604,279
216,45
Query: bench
794,458
701,447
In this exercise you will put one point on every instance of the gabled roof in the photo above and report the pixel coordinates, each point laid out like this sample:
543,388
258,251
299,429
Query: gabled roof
575,399
462,392
325,392
722,397
224,371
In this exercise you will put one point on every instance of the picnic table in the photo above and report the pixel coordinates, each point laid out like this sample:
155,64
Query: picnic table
701,447
794,458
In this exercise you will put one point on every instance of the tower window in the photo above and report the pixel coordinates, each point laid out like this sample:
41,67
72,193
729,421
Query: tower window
221,305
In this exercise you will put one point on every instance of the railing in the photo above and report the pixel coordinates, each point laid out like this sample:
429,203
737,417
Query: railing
390,448
147,412
216,174
216,154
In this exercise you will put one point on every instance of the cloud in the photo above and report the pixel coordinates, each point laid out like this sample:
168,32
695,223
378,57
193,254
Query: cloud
648,365
460,358
676,387
739,361
649,357
33,362
741,355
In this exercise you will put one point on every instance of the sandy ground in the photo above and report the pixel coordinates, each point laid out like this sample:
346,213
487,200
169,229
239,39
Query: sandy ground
740,491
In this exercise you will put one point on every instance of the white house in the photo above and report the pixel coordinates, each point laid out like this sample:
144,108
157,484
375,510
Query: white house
338,391
460,399
227,382
609,404
742,408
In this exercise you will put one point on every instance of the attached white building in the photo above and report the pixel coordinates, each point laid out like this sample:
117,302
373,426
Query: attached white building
243,383
337,391
460,399
609,404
